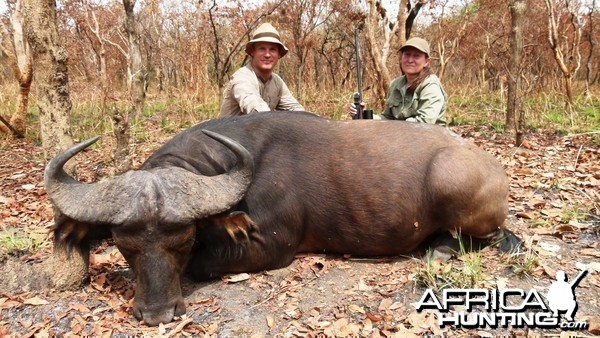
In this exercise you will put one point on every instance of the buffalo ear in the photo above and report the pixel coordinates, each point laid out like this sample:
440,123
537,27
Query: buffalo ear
239,226
69,234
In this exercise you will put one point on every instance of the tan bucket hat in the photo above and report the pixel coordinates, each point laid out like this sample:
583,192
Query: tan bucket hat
418,43
266,33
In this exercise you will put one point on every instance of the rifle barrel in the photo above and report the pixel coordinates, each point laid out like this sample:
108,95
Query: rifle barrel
358,94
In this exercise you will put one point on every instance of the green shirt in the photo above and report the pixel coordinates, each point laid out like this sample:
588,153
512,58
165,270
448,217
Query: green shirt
427,103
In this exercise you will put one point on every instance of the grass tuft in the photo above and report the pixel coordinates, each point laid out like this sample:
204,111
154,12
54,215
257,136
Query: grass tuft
466,272
15,241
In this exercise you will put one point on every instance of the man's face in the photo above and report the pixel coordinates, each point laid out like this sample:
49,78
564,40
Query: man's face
413,61
265,56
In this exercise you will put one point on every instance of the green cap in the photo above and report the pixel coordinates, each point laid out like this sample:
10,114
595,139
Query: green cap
418,43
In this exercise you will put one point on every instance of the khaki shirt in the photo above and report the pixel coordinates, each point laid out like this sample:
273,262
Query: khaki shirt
427,103
247,93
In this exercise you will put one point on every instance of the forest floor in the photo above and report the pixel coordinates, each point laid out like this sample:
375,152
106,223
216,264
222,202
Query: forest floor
554,208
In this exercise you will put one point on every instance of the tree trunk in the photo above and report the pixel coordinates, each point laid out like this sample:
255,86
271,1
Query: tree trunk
568,64
514,106
137,89
94,26
19,56
122,156
379,64
50,74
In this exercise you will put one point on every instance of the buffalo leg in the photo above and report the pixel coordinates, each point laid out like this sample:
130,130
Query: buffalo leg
470,191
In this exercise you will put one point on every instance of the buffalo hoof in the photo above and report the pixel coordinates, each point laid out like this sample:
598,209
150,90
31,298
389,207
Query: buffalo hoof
509,242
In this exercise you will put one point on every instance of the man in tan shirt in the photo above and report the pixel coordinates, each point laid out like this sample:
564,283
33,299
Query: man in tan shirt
256,87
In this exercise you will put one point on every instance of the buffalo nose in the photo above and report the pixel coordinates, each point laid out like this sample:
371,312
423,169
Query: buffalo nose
153,317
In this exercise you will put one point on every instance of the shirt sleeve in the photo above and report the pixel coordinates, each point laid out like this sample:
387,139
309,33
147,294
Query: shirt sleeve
287,100
431,103
247,94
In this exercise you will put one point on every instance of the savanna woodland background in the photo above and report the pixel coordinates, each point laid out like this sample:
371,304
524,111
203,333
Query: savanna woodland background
522,78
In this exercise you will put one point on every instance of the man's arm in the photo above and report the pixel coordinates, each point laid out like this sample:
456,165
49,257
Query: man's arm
287,100
247,95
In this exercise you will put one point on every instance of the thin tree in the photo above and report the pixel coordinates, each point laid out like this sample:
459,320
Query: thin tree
514,109
590,40
223,51
449,31
305,16
50,74
377,20
570,63
378,25
136,78
99,47
54,104
137,70
16,47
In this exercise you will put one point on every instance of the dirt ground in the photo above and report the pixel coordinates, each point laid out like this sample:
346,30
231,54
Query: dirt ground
554,208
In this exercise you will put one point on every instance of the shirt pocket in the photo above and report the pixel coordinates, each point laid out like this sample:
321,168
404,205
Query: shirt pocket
402,107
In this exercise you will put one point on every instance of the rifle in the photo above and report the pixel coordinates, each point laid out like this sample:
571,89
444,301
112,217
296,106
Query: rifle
578,279
360,112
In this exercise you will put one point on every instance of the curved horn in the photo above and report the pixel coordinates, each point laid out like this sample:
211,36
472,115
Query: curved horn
190,197
170,194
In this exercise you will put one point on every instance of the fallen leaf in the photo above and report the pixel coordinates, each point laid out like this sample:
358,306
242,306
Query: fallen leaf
374,318
594,325
385,304
17,176
395,306
26,323
80,307
270,322
356,309
236,278
35,301
524,215
592,267
6,303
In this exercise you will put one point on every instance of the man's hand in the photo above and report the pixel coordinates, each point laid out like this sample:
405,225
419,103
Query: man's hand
352,109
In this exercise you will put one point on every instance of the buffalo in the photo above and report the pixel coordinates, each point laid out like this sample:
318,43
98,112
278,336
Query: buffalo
247,193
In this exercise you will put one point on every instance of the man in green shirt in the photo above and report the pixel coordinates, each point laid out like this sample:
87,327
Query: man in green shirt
256,87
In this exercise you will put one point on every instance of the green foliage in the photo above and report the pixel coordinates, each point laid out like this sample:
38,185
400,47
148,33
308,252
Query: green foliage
467,272
14,241
88,121
540,223
523,263
174,111
546,112
575,212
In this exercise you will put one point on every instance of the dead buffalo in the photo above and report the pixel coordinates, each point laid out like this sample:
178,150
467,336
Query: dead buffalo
248,193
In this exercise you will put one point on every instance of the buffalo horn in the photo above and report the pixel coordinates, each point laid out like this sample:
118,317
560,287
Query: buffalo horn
168,194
